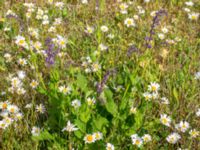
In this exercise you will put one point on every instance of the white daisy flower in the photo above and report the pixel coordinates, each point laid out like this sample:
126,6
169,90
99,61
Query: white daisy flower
89,138
109,146
193,16
65,90
146,138
194,133
129,22
165,120
34,84
173,138
153,87
70,127
104,28
76,103
98,136
40,108
35,131
183,126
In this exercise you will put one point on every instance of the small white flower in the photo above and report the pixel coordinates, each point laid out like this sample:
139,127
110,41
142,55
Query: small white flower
189,3
52,29
65,90
13,109
133,110
98,135
7,29
186,10
20,91
3,124
60,5
34,84
22,61
109,146
182,126
173,138
153,13
198,113
8,57
197,75
164,100
37,45
147,96
40,108
95,67
164,30
28,105
104,28
18,116
129,22
70,127
91,101
103,47
161,36
111,36
35,131
20,41
123,8
136,17
89,30
21,74
76,103
193,16
89,138
165,120
84,1
146,138
154,95
146,1
57,21
4,105
136,140
50,1
153,87
194,133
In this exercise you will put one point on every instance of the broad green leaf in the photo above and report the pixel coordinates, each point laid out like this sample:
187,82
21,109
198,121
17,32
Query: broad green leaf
82,82
110,104
99,122
44,135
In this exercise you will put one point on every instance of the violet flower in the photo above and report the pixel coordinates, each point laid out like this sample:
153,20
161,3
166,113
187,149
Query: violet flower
50,52
101,84
155,22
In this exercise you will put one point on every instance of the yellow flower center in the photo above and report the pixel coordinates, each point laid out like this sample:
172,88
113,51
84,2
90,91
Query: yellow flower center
21,42
164,120
137,142
4,106
89,138
12,110
194,17
129,22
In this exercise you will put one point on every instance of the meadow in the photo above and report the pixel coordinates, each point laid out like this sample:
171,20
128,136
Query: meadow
99,74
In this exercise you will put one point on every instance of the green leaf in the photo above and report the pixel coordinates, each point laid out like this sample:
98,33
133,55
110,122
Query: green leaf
175,93
45,135
81,125
138,120
41,90
99,122
55,75
110,104
85,116
82,82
